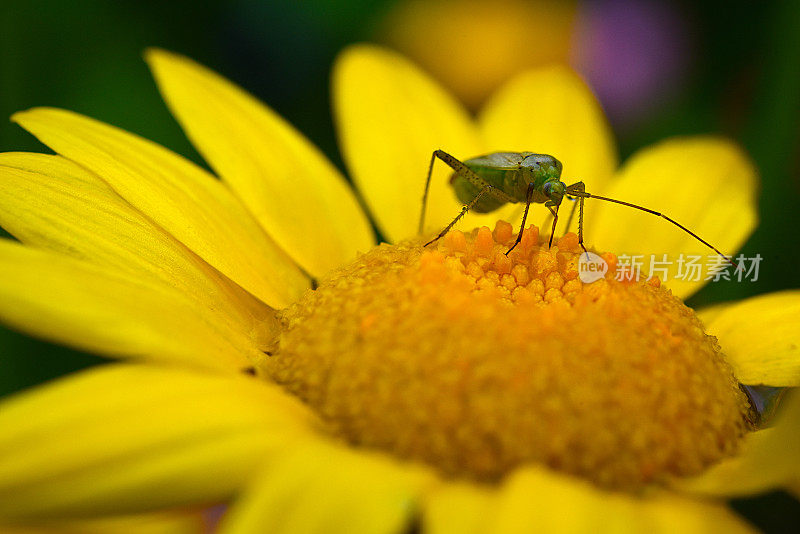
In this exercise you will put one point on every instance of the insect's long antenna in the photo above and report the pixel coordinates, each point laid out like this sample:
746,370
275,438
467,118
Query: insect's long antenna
654,212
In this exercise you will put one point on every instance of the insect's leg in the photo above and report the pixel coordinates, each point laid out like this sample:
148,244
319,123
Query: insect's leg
579,187
467,173
553,210
528,197
571,214
486,188
425,194
462,170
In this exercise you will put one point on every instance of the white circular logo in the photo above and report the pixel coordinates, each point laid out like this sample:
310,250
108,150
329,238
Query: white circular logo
591,267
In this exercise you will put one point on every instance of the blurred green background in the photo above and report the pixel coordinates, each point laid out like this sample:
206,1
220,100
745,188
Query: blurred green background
730,67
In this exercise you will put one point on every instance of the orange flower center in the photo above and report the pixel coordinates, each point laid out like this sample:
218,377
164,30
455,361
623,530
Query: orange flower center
475,362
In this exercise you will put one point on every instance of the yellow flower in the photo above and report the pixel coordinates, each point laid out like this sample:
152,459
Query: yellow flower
473,46
131,251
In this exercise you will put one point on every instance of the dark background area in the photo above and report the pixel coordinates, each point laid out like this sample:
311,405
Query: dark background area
740,77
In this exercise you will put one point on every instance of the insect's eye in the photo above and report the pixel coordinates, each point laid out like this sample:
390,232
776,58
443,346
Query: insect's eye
554,190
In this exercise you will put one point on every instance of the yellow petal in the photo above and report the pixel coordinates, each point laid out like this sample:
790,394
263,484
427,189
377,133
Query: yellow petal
707,184
793,487
50,202
154,523
328,488
534,500
458,507
124,439
761,338
295,193
673,513
78,304
552,111
390,119
708,314
769,459
178,196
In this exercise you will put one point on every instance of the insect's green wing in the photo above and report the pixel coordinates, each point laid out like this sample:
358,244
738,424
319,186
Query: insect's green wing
492,169
504,161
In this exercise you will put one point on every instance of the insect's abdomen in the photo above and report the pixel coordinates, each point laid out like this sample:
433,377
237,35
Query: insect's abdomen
466,191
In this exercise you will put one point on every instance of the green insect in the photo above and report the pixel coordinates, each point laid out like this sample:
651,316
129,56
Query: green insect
488,182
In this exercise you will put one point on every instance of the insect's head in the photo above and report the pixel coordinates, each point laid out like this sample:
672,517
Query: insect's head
555,190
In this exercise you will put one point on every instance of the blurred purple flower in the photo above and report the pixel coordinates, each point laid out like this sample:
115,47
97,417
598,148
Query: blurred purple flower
635,54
